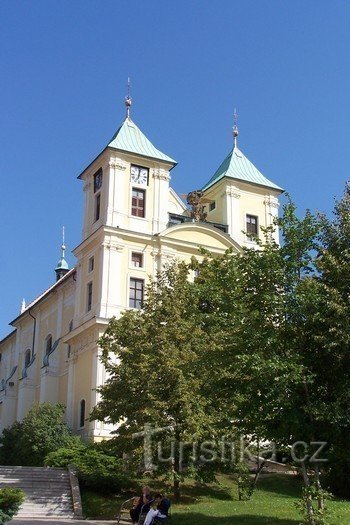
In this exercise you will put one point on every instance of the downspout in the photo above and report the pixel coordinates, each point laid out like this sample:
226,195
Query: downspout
34,330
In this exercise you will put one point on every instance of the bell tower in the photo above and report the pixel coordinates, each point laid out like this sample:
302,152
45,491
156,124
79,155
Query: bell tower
126,189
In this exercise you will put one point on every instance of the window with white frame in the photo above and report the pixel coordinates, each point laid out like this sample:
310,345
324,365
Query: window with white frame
137,259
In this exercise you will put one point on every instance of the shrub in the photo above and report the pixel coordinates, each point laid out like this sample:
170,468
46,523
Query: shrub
42,431
10,501
96,469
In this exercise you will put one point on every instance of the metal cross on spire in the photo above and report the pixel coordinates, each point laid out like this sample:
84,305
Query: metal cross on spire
235,127
128,100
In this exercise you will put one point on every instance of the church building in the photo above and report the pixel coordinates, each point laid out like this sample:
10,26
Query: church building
133,223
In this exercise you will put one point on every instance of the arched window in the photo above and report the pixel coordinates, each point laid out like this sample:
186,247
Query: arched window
27,357
48,344
82,414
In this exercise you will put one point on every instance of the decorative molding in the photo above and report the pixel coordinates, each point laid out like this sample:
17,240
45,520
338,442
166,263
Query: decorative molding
110,245
118,164
232,191
160,174
87,186
271,201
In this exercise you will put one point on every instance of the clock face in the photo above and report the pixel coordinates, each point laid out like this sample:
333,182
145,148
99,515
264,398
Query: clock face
139,175
97,180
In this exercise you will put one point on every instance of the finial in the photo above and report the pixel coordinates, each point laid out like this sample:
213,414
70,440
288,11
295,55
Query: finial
63,247
23,306
128,100
235,128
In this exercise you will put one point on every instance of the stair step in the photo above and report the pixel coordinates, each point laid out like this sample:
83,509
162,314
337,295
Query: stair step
47,491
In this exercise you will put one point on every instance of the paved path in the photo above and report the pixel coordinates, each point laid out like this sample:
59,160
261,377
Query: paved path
60,522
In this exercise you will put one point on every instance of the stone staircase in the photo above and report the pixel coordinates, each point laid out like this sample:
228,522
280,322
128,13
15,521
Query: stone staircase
48,491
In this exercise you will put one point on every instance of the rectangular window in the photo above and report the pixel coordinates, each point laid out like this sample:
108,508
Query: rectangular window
98,180
138,203
137,260
82,414
91,264
136,291
89,297
97,206
252,224
212,206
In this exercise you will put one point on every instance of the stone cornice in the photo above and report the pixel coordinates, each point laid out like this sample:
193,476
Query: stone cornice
232,191
117,164
160,174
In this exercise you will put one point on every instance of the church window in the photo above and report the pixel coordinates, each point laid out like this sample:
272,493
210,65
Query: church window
27,358
252,224
138,203
82,413
91,264
137,259
89,297
212,206
97,206
48,344
98,180
136,292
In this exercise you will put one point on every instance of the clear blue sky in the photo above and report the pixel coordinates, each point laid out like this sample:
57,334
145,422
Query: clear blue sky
63,70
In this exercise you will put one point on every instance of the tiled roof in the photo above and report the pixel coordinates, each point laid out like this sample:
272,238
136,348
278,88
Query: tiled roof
130,138
237,166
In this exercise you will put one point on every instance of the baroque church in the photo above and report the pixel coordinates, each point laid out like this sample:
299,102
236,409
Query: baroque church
133,223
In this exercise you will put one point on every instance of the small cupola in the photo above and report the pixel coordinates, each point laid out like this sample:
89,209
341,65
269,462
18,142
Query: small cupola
62,266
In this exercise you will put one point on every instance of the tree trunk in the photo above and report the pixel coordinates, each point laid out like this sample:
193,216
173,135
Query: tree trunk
309,507
320,498
176,468
176,489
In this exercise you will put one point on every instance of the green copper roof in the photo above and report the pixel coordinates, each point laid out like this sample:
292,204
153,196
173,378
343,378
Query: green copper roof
237,166
62,264
130,138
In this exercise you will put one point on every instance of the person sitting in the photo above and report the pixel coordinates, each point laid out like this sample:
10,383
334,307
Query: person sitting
141,503
160,512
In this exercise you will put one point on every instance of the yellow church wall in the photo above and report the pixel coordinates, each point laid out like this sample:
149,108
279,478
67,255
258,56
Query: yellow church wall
73,371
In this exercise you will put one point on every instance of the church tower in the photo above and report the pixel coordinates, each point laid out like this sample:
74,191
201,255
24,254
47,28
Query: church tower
126,203
241,196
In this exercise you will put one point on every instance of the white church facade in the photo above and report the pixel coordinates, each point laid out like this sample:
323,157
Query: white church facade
133,223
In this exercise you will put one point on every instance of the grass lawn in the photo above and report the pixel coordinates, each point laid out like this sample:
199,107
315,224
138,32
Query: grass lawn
272,504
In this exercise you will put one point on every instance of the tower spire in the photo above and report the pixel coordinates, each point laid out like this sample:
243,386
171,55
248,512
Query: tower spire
128,99
235,127
62,266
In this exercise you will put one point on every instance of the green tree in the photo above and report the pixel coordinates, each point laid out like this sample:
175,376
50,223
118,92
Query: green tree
41,431
10,501
281,314
156,365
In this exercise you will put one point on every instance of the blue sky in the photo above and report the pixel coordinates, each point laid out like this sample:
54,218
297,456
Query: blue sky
64,65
